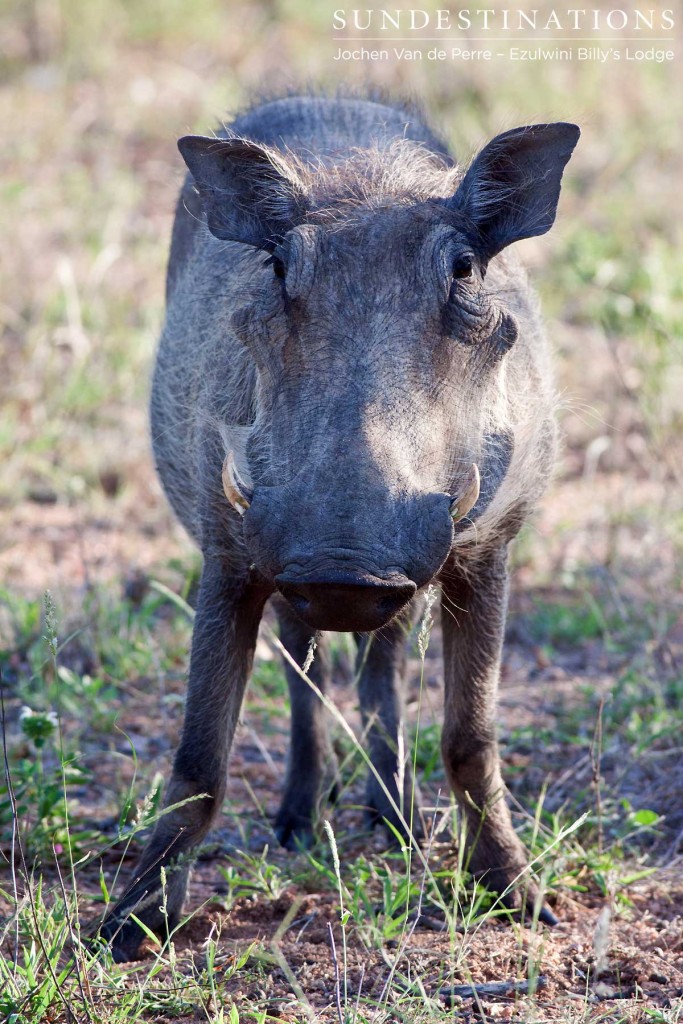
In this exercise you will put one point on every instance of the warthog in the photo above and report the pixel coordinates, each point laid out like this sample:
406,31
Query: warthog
352,400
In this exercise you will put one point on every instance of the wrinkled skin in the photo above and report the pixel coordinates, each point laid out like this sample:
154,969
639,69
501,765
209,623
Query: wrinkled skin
346,335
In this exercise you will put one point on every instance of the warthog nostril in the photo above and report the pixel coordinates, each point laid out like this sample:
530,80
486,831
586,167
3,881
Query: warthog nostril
333,604
469,492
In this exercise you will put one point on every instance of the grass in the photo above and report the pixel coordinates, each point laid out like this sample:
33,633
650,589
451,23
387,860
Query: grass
93,97
372,902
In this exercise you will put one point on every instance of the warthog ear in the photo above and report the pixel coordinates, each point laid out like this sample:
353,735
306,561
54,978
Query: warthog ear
511,189
250,193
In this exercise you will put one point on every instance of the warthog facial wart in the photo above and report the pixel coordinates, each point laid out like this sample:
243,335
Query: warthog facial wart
353,357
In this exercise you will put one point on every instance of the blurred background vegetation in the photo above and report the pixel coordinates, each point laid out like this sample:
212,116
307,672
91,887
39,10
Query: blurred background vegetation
93,94
92,97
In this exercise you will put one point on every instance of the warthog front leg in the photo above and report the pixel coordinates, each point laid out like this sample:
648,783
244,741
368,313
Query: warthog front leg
473,618
310,752
223,642
381,668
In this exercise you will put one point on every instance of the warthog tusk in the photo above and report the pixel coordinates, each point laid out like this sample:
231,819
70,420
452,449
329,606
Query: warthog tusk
236,491
467,499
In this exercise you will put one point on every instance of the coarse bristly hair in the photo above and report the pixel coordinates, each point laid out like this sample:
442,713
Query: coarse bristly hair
301,185
398,172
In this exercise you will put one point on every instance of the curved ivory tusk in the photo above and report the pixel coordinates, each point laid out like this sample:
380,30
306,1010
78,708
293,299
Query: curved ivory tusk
467,499
236,491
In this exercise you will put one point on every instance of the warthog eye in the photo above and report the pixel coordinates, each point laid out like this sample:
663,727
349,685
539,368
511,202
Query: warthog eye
462,268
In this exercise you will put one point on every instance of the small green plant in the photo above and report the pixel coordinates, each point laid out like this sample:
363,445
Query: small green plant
32,985
573,620
41,771
20,621
40,784
425,740
249,875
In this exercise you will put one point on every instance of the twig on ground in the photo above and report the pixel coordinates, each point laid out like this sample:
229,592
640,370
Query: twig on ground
602,991
492,988
596,755
15,826
337,980
76,947
430,924
276,948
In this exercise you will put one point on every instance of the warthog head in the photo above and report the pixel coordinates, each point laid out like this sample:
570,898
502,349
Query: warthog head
380,347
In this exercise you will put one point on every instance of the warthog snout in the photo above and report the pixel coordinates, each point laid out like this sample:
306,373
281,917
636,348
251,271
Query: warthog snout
345,601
